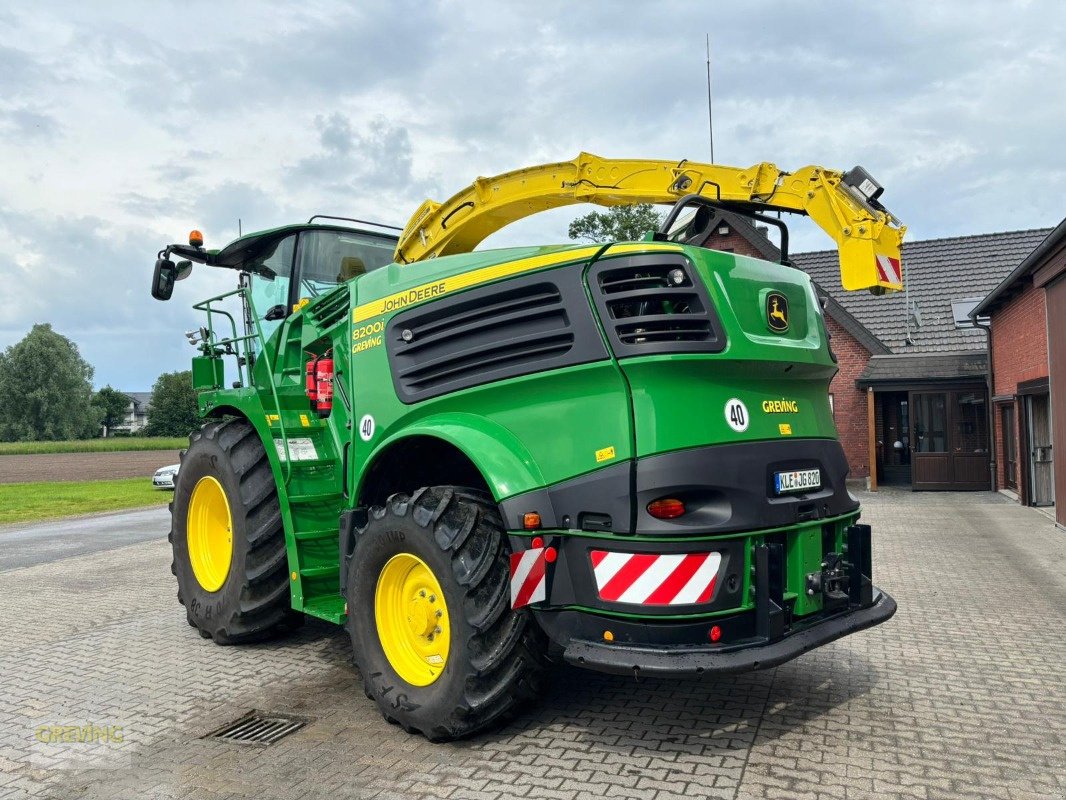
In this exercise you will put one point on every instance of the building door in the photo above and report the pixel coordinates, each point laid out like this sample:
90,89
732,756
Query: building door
1008,447
894,439
930,460
1038,433
949,439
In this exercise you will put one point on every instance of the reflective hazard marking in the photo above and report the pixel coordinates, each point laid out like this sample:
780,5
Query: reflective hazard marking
651,579
736,415
528,581
888,269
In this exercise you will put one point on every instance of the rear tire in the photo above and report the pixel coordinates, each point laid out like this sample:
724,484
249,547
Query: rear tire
253,600
495,655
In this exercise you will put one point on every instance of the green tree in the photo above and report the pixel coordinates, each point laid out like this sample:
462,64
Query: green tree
172,411
45,389
617,224
111,405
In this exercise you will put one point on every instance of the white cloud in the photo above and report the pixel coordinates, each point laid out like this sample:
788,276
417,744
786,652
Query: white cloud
122,128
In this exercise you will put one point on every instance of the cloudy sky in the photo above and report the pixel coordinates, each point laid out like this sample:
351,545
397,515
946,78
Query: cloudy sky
123,125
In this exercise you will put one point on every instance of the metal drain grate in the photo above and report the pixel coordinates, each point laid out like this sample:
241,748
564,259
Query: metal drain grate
259,727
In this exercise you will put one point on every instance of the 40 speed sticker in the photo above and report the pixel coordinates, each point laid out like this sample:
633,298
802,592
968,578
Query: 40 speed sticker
366,428
736,415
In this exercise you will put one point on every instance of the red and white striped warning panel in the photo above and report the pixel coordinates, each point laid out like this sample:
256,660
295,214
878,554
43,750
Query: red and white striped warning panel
650,579
528,581
888,269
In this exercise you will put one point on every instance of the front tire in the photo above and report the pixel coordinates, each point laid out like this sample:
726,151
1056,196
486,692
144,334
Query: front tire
227,537
444,666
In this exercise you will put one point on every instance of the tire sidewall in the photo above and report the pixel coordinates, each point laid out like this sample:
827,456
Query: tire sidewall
208,610
382,539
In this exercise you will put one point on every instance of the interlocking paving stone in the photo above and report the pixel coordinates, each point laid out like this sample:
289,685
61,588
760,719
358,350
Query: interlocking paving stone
961,695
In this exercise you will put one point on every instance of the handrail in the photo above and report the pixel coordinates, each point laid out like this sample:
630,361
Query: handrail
211,343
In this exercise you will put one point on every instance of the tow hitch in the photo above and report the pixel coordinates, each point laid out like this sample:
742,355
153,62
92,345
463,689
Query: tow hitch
832,582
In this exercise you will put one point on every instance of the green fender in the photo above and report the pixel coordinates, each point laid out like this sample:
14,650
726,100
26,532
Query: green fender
499,456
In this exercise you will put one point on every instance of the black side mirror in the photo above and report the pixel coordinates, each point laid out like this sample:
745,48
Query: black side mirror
184,270
275,313
166,273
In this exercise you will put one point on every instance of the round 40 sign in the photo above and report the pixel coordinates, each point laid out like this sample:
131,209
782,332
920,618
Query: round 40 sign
736,415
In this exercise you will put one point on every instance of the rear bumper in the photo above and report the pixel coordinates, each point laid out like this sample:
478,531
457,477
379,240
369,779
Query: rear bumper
625,659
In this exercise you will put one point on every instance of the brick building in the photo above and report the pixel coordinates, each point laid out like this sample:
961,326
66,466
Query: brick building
1026,311
913,365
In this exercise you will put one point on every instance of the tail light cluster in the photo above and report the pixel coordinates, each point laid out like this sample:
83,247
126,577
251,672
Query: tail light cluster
666,508
319,384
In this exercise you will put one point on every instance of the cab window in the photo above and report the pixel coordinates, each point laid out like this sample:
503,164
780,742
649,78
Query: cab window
269,292
325,259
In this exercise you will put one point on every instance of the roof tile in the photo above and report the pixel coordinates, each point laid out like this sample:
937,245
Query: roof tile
936,271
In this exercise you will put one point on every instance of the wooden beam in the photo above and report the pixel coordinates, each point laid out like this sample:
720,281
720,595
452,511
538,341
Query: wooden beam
871,424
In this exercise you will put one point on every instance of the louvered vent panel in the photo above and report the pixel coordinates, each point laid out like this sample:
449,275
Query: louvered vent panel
651,304
330,310
510,329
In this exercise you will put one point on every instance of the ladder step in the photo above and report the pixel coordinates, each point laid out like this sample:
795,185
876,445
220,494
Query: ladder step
330,608
314,572
316,462
324,497
311,535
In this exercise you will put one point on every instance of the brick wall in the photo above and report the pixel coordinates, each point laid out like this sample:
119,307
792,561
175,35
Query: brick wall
1019,340
849,402
731,242
1019,354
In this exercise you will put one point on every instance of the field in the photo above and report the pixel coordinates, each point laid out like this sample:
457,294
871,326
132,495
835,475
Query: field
42,467
29,502
94,445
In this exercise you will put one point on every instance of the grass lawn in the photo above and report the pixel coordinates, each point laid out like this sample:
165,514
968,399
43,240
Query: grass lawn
94,445
27,502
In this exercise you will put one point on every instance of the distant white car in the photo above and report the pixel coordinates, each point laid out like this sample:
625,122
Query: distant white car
164,477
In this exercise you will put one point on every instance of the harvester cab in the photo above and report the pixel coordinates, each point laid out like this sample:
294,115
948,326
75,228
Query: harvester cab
618,454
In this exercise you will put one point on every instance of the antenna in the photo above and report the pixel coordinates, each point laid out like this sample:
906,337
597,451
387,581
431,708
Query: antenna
239,232
710,115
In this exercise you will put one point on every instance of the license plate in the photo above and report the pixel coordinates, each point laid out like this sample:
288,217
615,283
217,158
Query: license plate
797,481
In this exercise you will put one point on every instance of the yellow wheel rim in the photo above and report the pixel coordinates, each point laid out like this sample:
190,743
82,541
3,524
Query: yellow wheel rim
412,619
210,534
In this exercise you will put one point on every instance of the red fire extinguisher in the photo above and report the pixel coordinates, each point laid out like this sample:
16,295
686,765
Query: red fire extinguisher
324,385
311,382
318,384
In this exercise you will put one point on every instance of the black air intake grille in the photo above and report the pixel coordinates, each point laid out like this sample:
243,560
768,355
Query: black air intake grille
502,331
330,310
655,304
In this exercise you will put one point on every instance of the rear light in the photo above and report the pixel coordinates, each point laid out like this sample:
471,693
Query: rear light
715,633
666,508
550,554
531,520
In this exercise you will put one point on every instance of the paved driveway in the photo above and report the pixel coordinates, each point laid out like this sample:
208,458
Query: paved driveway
25,544
961,695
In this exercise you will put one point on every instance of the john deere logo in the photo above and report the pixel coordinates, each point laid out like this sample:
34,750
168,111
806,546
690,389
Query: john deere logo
777,312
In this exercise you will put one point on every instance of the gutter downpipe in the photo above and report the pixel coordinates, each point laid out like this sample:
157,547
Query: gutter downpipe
990,380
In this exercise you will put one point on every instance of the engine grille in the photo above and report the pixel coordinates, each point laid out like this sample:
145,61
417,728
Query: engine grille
488,334
652,304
